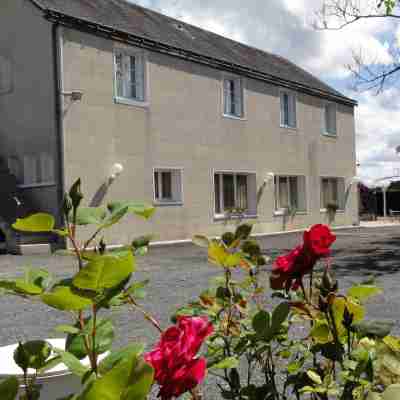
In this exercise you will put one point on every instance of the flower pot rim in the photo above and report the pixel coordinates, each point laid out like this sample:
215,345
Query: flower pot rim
9,368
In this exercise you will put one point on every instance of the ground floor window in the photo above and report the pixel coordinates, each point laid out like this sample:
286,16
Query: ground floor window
290,193
168,185
332,192
235,192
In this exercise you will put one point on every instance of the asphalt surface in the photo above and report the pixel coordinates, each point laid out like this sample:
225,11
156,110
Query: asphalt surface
178,274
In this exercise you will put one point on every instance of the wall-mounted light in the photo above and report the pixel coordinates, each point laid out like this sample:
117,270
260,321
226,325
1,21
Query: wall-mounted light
74,95
116,170
269,178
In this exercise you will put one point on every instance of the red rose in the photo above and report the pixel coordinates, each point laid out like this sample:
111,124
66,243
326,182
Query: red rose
176,369
301,260
319,239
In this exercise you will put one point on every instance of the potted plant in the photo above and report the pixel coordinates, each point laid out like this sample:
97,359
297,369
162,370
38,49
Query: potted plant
331,210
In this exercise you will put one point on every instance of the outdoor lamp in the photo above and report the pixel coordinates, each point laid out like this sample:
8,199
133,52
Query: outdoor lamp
75,95
116,171
269,178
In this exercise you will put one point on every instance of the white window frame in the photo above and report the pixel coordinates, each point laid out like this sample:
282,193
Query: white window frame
218,216
289,93
133,52
160,202
242,80
324,127
281,210
340,201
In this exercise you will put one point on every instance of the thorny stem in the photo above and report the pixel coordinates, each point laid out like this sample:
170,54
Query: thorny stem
94,353
146,315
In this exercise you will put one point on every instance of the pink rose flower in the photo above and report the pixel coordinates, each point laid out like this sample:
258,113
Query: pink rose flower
177,370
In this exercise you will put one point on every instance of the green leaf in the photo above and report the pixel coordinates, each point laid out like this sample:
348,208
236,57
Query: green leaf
32,354
392,392
104,272
9,388
279,316
201,241
226,363
27,288
38,277
137,289
104,338
363,292
261,323
90,215
73,364
374,328
40,222
114,217
132,350
64,299
320,332
314,377
67,329
128,375
140,209
218,255
142,380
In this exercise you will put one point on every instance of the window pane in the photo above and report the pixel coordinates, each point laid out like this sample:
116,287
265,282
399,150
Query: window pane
166,185
325,192
132,71
232,93
242,202
283,193
119,74
334,191
285,109
292,111
228,192
294,198
217,194
156,187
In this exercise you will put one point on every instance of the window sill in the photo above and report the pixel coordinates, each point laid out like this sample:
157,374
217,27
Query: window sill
223,217
290,128
281,213
329,135
167,203
229,116
324,210
36,185
131,102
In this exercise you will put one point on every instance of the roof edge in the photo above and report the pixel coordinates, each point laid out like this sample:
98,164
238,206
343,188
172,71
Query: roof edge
110,32
38,4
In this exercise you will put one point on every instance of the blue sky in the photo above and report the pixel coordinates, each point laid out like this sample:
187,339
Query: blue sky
284,27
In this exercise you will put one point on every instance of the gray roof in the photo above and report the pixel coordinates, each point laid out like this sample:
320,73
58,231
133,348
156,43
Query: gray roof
127,18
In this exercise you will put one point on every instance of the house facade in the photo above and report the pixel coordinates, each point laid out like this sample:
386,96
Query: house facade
204,127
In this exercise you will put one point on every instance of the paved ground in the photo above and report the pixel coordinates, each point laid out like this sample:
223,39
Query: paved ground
179,273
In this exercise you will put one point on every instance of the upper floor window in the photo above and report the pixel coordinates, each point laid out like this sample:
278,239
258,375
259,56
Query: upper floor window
290,193
330,119
235,193
168,186
130,75
233,97
332,192
288,109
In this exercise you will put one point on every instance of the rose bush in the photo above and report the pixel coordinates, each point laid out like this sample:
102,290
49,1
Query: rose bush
306,341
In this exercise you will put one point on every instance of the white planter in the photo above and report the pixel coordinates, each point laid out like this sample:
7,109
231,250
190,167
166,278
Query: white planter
56,382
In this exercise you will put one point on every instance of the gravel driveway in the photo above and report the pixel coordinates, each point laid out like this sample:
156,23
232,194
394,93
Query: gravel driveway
178,273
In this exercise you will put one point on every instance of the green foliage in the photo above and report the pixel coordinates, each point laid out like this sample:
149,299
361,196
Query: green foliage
40,222
32,354
66,298
9,388
105,271
104,338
